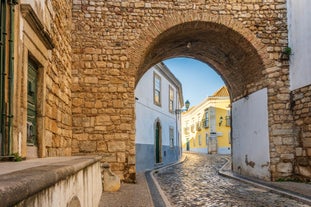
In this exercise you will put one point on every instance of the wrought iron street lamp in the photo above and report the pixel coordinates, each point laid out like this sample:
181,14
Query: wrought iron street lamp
187,104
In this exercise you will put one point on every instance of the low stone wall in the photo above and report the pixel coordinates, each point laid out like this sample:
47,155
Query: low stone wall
64,181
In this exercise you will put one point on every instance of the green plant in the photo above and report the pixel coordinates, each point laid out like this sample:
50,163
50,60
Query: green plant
17,157
287,50
281,180
285,54
290,179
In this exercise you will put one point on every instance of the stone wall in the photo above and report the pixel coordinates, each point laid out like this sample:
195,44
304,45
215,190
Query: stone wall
115,42
58,83
301,105
58,97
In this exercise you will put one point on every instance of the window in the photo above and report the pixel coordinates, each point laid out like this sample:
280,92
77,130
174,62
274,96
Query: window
193,126
199,122
186,129
171,137
200,140
206,119
32,110
171,99
157,89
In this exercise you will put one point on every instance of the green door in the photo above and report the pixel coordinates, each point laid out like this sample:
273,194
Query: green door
158,143
32,104
188,145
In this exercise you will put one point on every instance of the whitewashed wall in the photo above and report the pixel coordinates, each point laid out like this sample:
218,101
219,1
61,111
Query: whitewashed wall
146,115
147,112
250,135
83,187
299,26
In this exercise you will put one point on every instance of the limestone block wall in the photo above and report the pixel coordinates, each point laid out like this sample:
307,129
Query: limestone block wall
301,105
115,42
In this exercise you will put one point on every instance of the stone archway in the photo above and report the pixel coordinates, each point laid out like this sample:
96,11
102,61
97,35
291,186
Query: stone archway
227,51
239,59
241,66
240,44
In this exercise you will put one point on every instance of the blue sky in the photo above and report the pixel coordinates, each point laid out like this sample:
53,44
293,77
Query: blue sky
197,78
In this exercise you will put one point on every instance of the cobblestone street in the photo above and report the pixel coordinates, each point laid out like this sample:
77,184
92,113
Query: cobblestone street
196,182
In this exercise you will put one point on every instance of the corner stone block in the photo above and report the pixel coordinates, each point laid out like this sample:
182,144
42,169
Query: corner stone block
284,167
305,171
111,182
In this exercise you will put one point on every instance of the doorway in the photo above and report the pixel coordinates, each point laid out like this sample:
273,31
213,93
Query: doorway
32,81
187,145
158,143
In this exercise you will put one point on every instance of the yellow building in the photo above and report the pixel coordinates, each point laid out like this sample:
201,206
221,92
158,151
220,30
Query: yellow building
206,127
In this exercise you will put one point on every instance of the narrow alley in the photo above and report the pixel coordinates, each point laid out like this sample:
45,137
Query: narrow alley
196,182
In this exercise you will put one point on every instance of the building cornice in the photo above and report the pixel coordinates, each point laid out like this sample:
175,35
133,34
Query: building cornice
35,23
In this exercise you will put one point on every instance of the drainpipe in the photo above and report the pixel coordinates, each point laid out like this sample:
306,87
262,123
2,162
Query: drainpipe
3,75
12,4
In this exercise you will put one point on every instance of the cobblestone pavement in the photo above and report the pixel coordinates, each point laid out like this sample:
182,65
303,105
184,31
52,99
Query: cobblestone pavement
196,182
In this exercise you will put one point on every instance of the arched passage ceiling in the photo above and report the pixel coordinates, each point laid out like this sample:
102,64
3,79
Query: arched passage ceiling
225,50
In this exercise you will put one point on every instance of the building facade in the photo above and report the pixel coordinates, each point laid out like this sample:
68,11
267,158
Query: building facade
158,95
35,102
206,128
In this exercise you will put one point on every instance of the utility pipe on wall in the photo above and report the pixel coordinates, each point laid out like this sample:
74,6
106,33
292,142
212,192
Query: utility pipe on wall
12,4
3,76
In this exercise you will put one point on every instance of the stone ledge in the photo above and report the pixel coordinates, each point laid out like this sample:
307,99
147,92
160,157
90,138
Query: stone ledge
18,185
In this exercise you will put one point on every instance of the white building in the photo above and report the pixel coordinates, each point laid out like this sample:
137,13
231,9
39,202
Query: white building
299,34
158,95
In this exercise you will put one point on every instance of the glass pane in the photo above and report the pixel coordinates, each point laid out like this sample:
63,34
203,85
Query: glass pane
171,94
157,96
157,84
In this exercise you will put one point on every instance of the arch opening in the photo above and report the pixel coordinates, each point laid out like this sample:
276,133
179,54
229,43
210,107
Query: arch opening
240,65
225,50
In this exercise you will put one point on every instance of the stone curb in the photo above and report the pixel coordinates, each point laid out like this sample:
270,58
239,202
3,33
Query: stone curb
287,193
19,185
162,194
146,182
